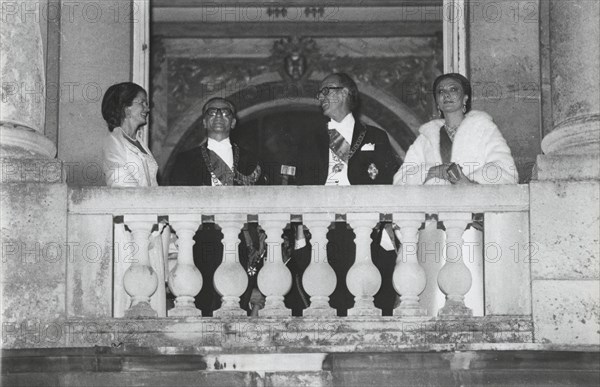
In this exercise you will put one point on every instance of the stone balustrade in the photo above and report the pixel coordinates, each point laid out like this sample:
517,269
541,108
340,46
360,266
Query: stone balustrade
507,207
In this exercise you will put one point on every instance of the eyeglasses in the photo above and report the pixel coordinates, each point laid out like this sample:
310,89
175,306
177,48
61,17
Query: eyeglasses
327,89
223,111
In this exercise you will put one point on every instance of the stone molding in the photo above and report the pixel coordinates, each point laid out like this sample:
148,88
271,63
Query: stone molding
567,167
21,142
579,135
265,335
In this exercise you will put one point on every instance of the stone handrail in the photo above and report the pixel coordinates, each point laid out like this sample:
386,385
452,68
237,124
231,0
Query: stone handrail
91,212
298,200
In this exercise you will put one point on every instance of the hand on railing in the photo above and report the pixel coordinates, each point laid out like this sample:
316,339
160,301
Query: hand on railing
257,302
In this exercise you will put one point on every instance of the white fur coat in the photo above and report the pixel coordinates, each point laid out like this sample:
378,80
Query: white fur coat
478,148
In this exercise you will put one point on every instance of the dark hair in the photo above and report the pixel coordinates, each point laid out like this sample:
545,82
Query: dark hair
347,82
464,82
116,99
228,102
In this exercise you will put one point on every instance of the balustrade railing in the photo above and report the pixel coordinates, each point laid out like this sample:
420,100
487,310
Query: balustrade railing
505,279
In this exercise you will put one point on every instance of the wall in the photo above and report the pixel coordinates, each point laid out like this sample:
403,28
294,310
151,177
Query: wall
34,249
95,52
504,63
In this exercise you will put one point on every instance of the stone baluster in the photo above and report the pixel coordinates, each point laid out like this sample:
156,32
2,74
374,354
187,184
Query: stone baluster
230,278
185,280
274,279
140,281
319,279
363,278
454,278
409,277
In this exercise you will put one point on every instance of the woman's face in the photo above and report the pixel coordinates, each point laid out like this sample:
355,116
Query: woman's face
137,113
450,96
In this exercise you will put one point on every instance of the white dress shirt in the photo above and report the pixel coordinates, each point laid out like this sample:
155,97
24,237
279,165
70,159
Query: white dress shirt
223,150
346,129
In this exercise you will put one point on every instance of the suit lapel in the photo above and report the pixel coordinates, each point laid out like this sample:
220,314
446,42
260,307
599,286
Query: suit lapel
323,144
358,128
202,171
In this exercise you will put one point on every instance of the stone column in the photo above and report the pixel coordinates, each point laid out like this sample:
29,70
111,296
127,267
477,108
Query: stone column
363,278
230,278
22,70
33,272
319,278
140,281
572,147
409,277
185,280
564,215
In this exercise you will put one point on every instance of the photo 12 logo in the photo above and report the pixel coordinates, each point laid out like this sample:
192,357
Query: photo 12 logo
64,333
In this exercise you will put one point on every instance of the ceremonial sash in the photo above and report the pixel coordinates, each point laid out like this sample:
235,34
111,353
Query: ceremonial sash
220,169
338,145
255,255
445,146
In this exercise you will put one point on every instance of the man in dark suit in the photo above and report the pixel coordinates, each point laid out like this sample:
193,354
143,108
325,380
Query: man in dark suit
218,162
351,153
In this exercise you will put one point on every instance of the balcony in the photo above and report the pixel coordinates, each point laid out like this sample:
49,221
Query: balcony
59,286
502,300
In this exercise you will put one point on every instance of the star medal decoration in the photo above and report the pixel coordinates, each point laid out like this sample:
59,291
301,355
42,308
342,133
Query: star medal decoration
338,167
339,164
372,171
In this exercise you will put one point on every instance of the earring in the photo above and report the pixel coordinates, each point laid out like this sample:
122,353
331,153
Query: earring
439,111
464,109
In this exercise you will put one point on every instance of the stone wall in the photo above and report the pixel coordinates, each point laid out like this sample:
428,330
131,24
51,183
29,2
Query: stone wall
95,52
503,57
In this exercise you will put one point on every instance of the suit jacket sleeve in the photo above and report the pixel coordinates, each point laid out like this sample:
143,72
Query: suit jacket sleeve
387,158
180,174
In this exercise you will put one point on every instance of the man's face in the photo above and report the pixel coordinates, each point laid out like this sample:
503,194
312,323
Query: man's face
332,97
218,117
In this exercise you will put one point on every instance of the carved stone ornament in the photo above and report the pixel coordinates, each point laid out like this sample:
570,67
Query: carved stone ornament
296,53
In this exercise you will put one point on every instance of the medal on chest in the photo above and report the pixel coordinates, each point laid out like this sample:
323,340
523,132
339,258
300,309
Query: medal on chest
338,167
339,164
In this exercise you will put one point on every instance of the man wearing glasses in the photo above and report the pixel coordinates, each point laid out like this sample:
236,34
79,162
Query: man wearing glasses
353,153
219,162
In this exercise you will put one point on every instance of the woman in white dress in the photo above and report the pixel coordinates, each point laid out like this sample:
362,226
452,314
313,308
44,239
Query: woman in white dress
128,162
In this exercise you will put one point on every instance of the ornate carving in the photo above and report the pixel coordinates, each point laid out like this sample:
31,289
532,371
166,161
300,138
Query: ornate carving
159,93
190,79
296,53
407,78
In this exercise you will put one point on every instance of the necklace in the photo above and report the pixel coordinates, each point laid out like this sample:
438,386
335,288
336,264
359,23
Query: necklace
451,131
